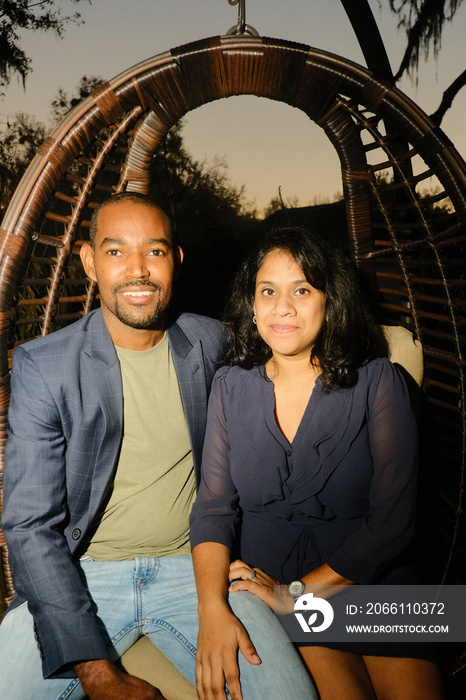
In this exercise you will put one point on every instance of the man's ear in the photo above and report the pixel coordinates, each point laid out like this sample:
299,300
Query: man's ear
178,255
87,258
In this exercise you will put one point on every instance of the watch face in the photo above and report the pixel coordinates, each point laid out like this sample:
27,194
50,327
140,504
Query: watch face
296,588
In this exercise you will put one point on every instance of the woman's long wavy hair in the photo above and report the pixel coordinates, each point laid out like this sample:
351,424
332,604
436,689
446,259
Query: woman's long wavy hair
350,336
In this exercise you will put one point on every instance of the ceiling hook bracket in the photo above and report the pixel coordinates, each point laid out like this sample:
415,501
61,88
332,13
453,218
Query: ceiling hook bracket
241,27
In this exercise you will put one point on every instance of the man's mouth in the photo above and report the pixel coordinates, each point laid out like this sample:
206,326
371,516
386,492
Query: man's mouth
138,294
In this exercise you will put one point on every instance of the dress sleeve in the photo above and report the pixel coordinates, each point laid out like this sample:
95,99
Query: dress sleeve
389,524
215,512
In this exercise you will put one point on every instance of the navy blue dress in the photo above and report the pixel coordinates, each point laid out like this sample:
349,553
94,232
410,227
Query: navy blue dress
342,493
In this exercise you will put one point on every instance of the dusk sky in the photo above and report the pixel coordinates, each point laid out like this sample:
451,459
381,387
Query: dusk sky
266,144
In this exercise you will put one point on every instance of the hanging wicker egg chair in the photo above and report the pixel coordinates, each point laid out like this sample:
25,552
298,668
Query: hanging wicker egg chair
409,246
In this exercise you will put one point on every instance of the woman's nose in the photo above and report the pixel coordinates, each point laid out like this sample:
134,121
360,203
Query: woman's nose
284,305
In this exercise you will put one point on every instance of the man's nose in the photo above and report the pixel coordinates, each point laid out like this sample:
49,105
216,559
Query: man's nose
137,266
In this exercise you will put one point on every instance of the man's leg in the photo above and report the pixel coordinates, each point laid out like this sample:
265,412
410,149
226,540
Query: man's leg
169,609
111,587
282,673
20,664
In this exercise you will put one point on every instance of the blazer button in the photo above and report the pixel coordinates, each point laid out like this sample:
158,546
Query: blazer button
76,534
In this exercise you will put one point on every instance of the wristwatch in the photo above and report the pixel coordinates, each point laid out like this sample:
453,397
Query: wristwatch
296,588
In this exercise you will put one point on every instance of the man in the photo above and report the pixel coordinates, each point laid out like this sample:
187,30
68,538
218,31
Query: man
107,422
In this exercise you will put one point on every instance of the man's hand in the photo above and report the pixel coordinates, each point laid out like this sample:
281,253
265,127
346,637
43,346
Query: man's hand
102,680
221,634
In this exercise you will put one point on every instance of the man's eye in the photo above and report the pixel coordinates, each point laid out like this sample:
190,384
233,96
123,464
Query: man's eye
113,252
157,252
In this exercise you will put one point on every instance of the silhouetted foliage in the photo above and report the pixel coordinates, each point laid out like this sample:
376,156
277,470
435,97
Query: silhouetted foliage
16,15
18,145
63,103
424,21
210,214
211,219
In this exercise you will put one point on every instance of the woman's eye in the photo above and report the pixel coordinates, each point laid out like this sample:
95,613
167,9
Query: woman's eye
302,291
268,292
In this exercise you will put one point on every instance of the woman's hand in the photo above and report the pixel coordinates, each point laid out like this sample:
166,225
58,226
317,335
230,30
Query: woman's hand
258,583
323,582
221,634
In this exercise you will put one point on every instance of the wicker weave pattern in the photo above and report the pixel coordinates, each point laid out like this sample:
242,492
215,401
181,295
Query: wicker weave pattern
411,251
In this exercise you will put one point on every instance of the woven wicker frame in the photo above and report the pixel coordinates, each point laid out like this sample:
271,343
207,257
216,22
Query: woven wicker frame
409,245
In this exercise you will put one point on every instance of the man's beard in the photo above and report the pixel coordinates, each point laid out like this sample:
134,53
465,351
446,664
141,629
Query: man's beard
131,317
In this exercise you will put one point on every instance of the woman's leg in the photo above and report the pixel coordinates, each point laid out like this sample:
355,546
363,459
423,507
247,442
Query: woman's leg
404,679
338,674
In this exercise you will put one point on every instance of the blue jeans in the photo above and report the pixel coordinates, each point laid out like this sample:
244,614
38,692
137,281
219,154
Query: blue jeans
155,597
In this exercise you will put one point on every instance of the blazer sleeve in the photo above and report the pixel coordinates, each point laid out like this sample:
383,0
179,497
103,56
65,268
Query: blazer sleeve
34,517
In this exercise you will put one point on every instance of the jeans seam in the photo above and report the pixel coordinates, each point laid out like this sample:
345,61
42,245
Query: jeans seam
110,645
122,633
142,581
139,583
69,689
174,632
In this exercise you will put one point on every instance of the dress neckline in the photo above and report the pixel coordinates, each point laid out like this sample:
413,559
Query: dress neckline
271,419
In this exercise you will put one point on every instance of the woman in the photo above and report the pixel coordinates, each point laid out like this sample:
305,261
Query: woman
309,465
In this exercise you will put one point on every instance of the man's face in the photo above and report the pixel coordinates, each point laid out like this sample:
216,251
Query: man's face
133,263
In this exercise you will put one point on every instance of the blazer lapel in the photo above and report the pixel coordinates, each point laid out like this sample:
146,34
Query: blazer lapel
101,362
189,366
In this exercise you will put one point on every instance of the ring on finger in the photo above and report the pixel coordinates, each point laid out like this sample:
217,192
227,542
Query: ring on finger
252,574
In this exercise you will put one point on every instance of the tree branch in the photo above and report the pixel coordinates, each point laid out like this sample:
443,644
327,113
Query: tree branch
448,97
368,35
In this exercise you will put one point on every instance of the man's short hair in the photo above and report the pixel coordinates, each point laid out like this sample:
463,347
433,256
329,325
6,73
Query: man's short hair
130,197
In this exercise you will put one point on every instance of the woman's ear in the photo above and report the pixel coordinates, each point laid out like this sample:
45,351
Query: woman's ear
87,258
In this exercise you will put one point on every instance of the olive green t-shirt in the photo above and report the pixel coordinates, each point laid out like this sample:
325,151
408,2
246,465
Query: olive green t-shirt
154,487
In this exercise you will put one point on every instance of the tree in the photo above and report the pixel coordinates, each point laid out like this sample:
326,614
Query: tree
212,220
278,203
18,145
423,20
210,214
368,35
23,135
31,15
63,103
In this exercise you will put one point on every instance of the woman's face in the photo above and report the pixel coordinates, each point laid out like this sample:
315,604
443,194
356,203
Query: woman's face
289,310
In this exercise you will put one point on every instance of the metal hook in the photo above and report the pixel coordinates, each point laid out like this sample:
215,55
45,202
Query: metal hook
241,27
